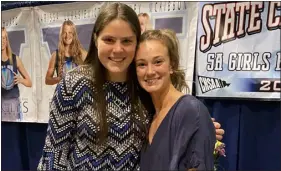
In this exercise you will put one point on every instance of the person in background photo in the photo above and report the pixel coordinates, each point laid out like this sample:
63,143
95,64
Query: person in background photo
181,135
145,22
69,54
97,119
13,73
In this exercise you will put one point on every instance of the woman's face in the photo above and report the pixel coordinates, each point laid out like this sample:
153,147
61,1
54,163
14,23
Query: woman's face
153,66
116,46
67,34
4,40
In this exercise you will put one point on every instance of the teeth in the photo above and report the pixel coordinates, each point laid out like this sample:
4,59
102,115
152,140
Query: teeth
117,59
151,81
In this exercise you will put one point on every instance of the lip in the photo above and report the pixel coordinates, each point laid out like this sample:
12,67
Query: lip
151,80
116,59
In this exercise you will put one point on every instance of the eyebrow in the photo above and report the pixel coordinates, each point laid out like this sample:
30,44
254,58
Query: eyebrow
154,58
129,37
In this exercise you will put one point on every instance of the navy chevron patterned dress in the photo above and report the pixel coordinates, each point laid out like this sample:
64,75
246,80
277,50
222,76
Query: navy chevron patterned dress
71,135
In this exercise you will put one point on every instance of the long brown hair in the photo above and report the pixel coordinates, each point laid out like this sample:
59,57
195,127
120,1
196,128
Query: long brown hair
106,15
169,39
75,49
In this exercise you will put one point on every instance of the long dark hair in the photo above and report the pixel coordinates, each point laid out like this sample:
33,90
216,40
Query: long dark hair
106,15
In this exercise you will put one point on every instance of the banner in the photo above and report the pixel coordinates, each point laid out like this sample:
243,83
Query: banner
18,101
49,20
238,51
42,34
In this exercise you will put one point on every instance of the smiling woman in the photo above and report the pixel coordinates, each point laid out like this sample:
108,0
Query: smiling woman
97,121
69,54
116,49
13,73
181,123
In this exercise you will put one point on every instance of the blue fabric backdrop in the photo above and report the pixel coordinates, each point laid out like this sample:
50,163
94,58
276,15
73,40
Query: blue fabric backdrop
252,132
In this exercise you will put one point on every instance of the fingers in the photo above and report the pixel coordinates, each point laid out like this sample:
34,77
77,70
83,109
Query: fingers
16,81
219,137
219,132
213,119
217,125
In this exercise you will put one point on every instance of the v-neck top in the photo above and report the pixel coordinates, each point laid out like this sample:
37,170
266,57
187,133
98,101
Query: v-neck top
185,139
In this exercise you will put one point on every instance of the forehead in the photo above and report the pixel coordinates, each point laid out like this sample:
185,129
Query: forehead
67,28
153,45
152,48
118,28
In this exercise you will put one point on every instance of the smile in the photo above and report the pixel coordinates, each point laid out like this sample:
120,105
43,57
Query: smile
151,81
116,59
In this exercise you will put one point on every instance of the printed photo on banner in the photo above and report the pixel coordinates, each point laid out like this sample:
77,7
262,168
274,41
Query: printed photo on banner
13,74
68,55
65,32
238,50
18,100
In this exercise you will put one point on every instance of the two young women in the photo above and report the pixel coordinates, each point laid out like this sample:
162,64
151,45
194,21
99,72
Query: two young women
101,116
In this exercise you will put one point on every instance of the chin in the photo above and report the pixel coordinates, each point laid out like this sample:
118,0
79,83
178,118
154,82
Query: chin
117,70
68,42
150,89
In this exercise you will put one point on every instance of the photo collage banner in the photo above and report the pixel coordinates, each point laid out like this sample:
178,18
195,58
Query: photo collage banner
33,34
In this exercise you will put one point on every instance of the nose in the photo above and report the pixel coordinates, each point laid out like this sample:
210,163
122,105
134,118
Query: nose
118,47
150,70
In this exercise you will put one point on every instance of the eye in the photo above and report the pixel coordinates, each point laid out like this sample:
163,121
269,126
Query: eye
158,62
140,64
127,41
108,40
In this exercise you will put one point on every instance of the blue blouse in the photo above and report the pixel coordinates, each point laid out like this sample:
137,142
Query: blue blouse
185,139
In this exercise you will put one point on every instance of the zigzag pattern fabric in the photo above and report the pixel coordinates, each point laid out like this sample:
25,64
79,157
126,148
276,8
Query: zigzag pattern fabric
71,135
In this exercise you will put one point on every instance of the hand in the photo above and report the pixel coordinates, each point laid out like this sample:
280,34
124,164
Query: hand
219,132
17,78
